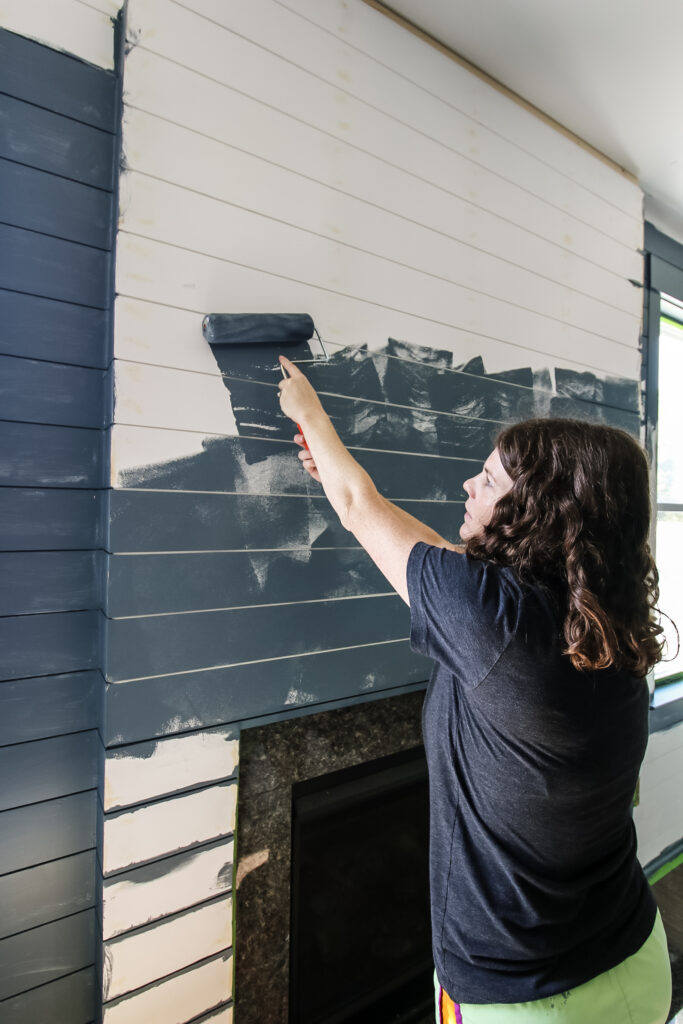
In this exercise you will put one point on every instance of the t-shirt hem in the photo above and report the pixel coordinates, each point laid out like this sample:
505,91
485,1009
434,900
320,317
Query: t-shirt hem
477,986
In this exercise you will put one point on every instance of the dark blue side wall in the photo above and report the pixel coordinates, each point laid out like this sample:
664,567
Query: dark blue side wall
58,146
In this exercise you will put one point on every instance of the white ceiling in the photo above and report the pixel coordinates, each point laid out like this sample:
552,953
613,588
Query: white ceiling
609,70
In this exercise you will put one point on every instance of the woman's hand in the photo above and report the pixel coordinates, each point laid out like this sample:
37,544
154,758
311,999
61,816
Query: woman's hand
298,399
307,459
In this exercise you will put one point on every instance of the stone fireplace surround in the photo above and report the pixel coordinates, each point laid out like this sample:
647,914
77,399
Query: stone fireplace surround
272,759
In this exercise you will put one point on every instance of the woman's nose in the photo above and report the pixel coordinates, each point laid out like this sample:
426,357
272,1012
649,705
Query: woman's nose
466,487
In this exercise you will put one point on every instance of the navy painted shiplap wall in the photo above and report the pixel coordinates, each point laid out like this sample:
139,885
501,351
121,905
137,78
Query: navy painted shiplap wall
58,146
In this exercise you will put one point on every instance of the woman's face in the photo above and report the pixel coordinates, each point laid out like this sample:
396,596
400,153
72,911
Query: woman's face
483,491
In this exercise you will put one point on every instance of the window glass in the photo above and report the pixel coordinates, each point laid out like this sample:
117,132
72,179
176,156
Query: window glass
670,492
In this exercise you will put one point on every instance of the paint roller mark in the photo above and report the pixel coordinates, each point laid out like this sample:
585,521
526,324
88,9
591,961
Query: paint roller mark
295,696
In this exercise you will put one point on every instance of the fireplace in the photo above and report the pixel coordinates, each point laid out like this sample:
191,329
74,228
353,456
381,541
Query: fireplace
332,904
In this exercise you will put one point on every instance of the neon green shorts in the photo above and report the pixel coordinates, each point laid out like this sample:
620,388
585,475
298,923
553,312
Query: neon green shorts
636,991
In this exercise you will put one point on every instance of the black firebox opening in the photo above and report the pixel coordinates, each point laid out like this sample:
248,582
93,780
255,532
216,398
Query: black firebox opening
360,930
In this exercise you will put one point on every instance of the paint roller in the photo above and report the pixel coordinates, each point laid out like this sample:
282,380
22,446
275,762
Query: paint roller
278,329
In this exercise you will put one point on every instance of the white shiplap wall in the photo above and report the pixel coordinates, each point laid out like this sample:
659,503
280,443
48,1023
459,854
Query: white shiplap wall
315,156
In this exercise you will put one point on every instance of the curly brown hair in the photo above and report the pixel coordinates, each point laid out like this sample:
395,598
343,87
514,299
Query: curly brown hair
576,521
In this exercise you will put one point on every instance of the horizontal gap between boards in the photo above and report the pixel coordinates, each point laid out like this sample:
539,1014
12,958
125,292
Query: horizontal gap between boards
52,860
53,736
47,924
58,113
51,981
55,174
390,117
59,238
415,316
252,494
257,661
246,607
280,440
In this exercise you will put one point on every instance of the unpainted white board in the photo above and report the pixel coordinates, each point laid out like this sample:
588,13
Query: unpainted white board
177,400
139,897
659,816
529,271
371,32
170,276
156,447
66,25
185,97
146,771
329,59
203,44
176,999
109,7
147,833
199,224
133,960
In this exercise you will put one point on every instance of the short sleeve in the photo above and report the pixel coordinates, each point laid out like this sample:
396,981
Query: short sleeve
463,612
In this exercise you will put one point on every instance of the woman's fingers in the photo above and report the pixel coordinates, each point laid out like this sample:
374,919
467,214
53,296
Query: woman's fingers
289,366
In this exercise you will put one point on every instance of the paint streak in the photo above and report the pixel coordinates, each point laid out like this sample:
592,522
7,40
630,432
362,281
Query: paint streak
249,864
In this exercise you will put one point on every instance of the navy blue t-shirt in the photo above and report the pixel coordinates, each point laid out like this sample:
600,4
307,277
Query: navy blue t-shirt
535,884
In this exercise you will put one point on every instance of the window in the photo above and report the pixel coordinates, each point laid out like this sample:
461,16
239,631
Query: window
669,535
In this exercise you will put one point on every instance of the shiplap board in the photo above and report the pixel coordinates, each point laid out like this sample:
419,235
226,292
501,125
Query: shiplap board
230,58
46,644
66,25
44,769
177,999
42,832
36,391
44,202
154,584
37,519
147,771
189,700
165,886
149,457
40,328
49,581
43,893
170,276
174,521
42,76
32,709
528,270
167,826
185,97
367,30
154,951
188,220
41,265
51,142
43,954
157,645
70,1000
37,455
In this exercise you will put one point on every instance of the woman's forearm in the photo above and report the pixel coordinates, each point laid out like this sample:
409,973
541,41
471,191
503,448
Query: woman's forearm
345,482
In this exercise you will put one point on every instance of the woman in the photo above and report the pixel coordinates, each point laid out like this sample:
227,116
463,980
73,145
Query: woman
542,629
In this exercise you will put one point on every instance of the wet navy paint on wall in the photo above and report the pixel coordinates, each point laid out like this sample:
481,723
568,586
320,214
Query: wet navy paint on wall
58,123
432,425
